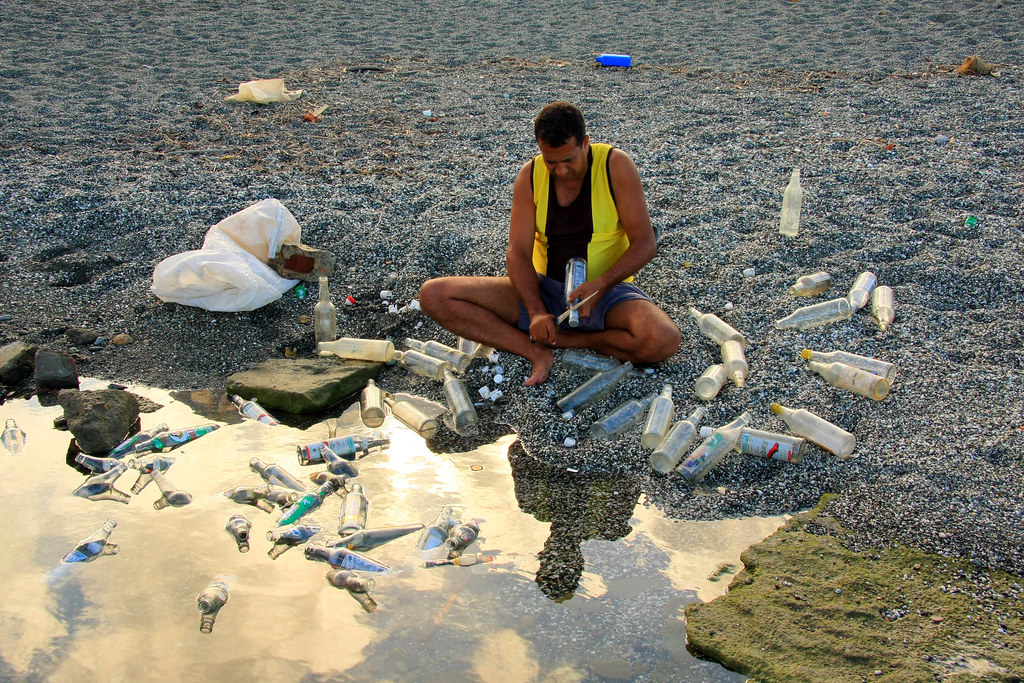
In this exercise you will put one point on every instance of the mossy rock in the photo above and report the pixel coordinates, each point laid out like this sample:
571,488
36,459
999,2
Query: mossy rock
302,386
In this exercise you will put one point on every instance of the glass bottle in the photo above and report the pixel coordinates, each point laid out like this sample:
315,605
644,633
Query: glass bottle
253,410
711,381
659,419
101,486
371,405
882,307
461,536
340,480
474,349
816,429
325,315
861,290
127,446
672,448
249,495
467,560
280,497
374,350
309,502
459,360
94,545
210,601
817,314
368,539
357,586
146,466
275,474
735,362
811,285
587,361
344,558
343,446
462,417
768,445
96,464
624,417
238,526
170,495
162,443
422,364
285,539
872,365
436,534
413,417
336,464
851,378
354,509
575,275
716,329
711,451
594,389
792,199
13,437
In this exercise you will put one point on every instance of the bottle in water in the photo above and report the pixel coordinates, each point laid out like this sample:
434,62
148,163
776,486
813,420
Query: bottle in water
13,437
368,539
343,446
354,509
276,475
239,526
860,292
170,495
93,546
309,502
671,450
462,414
853,379
285,539
371,405
421,364
253,410
817,314
249,495
659,419
882,307
128,445
344,558
466,560
811,285
461,537
413,418
96,464
716,329
816,429
357,586
624,417
436,534
101,486
711,451
210,602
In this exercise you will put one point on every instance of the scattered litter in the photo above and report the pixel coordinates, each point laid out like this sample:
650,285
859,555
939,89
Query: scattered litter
499,378
974,66
264,92
314,115
484,391
495,395
569,442
728,306
386,294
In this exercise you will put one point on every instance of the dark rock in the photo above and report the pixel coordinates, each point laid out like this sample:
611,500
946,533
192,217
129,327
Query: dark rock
100,419
302,262
81,336
302,386
16,362
55,370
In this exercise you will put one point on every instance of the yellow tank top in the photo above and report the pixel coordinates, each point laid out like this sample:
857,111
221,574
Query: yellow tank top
608,241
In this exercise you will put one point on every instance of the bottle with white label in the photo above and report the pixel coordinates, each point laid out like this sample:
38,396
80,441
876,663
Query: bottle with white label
672,448
882,307
811,285
716,329
853,379
711,451
768,445
872,365
861,290
817,314
792,199
659,419
817,429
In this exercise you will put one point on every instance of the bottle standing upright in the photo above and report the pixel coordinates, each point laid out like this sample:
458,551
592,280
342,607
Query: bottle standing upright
792,199
325,315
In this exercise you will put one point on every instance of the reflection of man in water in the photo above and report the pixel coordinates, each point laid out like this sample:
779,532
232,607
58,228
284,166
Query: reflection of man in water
578,508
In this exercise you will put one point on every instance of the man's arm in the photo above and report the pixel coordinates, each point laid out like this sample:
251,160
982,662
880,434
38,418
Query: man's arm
519,258
631,205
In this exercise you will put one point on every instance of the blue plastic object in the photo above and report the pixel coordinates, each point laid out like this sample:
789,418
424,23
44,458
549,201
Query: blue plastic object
614,60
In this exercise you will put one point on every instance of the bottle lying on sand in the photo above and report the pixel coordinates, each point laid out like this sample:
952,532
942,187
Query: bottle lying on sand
253,410
659,419
474,349
711,381
347,447
210,601
413,418
623,417
861,290
375,350
594,389
882,307
852,379
673,447
711,451
423,365
459,360
170,495
811,285
94,545
817,429
817,314
357,586
716,329
239,527
792,200
872,365
461,416
768,445
735,362
371,405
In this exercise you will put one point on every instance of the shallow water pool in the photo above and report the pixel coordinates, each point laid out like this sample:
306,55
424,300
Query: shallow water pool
588,584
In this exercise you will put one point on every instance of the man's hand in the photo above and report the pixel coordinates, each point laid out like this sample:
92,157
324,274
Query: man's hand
543,329
585,290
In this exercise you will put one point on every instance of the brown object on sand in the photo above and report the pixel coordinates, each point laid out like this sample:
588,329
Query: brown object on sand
974,65
302,262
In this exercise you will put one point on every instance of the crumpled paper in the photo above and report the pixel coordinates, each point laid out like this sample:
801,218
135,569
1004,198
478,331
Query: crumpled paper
264,92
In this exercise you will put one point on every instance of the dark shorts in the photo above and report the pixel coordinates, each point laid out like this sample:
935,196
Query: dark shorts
553,293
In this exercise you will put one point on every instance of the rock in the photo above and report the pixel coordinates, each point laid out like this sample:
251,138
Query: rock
81,336
309,385
55,371
99,419
302,262
16,362
121,339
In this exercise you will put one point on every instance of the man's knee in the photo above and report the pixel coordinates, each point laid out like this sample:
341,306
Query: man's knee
661,341
433,294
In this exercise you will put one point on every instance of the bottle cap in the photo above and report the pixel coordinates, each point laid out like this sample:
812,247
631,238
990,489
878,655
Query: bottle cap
806,354
775,408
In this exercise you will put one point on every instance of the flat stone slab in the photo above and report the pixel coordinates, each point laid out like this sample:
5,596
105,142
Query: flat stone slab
302,386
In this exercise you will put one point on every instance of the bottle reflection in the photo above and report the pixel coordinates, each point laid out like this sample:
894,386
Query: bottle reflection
578,507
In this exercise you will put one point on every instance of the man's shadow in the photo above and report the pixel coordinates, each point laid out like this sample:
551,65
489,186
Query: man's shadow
578,507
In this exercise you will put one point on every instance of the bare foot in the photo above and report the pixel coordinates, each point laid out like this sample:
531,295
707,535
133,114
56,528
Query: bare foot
542,363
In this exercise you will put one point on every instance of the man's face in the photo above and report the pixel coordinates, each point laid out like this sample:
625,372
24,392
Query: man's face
566,162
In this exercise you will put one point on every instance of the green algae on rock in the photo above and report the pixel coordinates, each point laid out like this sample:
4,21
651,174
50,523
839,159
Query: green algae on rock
805,608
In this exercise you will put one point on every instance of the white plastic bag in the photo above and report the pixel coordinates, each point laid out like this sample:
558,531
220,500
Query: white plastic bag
230,272
264,92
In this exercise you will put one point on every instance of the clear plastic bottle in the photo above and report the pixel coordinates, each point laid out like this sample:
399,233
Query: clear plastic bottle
462,417
624,417
735,362
659,419
344,558
13,437
459,360
309,502
811,285
289,537
853,379
792,199
461,536
371,405
711,451
171,496
239,526
374,350
671,450
437,533
711,381
413,418
354,508
275,474
768,445
368,539
594,389
422,364
343,446
716,329
249,495
860,292
211,600
253,410
817,314
872,365
94,545
101,486
575,275
883,307
816,429
357,586
325,315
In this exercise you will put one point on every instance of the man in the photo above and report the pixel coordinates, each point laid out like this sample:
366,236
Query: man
574,199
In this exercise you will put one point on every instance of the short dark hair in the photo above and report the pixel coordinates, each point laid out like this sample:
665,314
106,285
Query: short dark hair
559,121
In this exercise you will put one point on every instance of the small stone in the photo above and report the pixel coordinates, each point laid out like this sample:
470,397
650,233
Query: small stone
303,319
121,339
569,442
941,140
567,415
936,619
728,306
748,272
